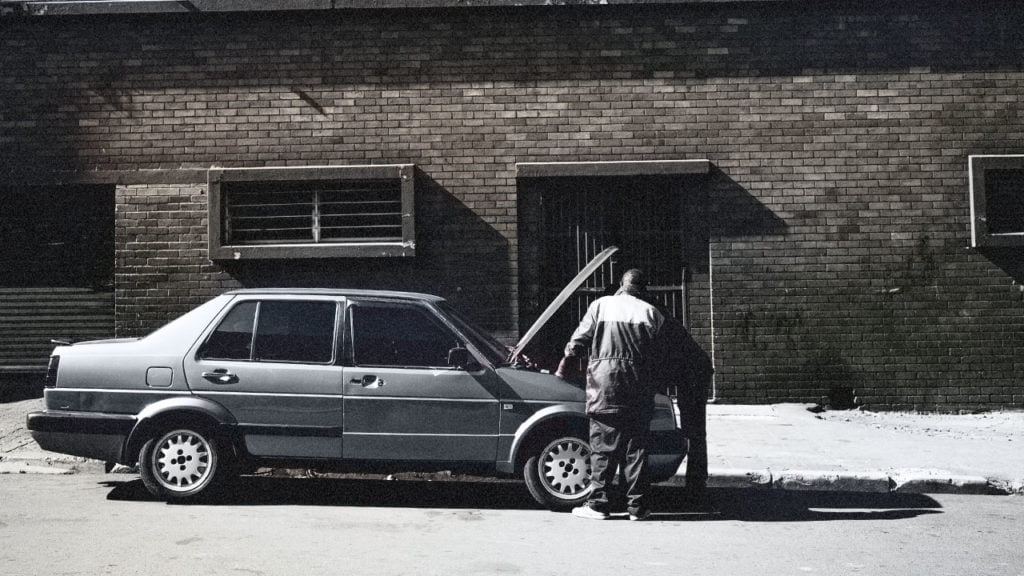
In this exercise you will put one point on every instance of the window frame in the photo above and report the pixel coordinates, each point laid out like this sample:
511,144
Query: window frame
219,250
977,167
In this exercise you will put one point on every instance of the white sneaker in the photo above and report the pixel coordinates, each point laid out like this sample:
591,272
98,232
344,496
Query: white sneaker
586,511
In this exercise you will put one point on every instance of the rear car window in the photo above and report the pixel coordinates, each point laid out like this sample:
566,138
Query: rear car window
232,340
285,331
295,332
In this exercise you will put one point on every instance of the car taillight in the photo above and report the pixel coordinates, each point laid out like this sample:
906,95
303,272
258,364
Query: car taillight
51,372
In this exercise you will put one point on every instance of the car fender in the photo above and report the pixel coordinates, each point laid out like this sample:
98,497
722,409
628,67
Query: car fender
146,420
567,413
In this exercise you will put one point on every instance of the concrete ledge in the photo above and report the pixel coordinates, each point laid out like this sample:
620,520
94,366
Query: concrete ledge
727,478
841,482
937,482
732,478
1013,486
30,468
35,462
591,169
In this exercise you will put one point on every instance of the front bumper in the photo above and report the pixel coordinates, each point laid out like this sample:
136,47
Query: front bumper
87,434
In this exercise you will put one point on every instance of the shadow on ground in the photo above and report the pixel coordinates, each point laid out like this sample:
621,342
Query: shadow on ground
752,505
19,388
668,503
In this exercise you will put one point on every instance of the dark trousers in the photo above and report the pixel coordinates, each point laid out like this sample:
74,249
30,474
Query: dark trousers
693,405
697,465
618,442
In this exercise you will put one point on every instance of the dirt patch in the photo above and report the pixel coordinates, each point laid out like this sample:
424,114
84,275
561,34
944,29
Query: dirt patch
13,434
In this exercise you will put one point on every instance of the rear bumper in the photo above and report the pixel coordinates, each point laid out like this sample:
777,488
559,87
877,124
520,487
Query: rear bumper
87,434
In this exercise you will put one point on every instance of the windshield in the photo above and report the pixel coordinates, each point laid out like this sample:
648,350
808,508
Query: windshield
489,346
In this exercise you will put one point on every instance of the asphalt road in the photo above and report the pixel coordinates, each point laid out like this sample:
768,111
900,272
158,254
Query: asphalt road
107,524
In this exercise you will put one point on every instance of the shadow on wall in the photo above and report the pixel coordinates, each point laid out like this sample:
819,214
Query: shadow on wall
733,211
72,101
459,256
1009,260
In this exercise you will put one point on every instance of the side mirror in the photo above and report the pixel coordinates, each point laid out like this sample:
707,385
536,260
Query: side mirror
461,358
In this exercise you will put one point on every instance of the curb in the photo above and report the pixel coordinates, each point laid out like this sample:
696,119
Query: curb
47,463
29,468
898,482
938,482
837,482
728,478
901,482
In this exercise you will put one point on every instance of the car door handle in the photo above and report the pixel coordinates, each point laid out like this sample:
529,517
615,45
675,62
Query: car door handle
368,381
220,376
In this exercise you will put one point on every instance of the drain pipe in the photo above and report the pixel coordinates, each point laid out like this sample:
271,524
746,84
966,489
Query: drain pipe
711,313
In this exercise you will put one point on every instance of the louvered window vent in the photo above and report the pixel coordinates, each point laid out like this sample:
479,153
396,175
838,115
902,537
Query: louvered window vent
295,212
341,211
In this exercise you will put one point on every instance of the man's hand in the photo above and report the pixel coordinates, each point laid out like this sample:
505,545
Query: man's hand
574,350
567,367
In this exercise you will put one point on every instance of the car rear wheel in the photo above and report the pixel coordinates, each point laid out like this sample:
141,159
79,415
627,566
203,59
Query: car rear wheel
182,463
558,476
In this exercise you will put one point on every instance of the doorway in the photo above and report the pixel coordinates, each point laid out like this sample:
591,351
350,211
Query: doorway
57,262
566,221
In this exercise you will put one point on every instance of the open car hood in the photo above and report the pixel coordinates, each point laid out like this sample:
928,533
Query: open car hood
564,295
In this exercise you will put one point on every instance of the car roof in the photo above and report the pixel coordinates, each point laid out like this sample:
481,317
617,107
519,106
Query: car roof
339,292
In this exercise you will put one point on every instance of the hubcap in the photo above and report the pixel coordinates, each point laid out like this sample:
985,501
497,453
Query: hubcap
566,468
183,460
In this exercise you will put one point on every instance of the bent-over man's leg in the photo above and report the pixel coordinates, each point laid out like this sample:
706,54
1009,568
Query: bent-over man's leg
692,402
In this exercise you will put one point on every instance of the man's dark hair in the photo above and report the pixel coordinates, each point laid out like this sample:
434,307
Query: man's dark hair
634,277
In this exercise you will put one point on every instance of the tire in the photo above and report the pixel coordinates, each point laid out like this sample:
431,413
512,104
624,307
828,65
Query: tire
183,463
558,476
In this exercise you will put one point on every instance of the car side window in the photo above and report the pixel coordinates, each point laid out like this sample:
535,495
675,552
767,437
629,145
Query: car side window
232,340
286,331
295,331
398,335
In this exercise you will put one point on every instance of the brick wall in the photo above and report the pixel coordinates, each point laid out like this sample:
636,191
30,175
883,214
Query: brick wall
161,270
838,213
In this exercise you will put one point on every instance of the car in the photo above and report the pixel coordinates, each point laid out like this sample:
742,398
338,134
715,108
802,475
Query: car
347,380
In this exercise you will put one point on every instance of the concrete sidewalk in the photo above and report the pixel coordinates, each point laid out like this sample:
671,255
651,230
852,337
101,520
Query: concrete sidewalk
781,446
792,447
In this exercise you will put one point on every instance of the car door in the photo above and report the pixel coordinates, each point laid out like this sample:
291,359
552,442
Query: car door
271,361
402,399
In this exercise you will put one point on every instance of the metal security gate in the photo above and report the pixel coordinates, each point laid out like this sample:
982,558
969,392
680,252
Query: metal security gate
578,217
57,263
31,317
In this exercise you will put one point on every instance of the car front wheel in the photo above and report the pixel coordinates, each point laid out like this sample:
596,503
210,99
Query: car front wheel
182,463
558,477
